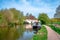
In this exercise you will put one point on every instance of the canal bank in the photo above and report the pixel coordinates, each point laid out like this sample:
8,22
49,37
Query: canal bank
41,35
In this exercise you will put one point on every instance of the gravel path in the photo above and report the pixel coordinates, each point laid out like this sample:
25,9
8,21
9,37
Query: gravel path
52,35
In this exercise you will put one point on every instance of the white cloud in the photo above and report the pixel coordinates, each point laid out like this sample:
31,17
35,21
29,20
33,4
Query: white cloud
26,7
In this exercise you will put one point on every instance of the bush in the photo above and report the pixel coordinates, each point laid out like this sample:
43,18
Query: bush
55,29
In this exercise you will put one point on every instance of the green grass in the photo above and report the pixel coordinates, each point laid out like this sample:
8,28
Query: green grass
57,23
56,29
41,35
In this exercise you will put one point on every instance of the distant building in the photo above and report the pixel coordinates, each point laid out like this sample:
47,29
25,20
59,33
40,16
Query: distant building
31,19
57,14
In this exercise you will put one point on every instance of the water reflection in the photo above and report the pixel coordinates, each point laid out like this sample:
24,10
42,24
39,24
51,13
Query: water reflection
27,35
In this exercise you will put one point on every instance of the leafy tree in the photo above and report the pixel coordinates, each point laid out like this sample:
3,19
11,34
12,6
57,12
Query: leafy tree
11,16
8,19
3,20
43,17
18,16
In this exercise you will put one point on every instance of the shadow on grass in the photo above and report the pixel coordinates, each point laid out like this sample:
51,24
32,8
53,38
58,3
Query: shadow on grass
41,35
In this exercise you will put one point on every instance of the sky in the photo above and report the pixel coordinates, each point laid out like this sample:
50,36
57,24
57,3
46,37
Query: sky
32,6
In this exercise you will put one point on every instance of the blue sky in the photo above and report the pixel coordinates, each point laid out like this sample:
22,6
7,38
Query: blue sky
32,6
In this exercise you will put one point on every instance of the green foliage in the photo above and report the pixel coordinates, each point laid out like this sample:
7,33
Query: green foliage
9,20
57,23
11,24
3,21
44,18
55,29
11,16
41,35
55,20
16,13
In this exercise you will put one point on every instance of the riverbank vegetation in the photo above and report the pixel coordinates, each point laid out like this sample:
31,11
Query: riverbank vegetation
55,24
55,21
41,35
11,21
56,29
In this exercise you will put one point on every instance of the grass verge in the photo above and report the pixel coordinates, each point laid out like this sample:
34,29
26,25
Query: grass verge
41,35
56,29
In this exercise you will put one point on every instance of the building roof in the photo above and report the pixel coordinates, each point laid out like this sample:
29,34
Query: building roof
31,17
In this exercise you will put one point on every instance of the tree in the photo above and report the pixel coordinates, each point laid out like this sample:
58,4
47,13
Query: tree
27,14
30,16
57,14
43,17
8,19
11,16
17,15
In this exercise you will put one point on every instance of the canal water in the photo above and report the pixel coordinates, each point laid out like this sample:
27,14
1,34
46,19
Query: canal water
27,35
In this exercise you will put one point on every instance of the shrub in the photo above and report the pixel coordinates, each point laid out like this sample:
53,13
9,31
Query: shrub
55,29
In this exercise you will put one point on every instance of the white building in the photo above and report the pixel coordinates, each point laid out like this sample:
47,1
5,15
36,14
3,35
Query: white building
31,21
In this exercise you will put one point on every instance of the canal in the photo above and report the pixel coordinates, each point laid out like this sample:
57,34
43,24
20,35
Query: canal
27,34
